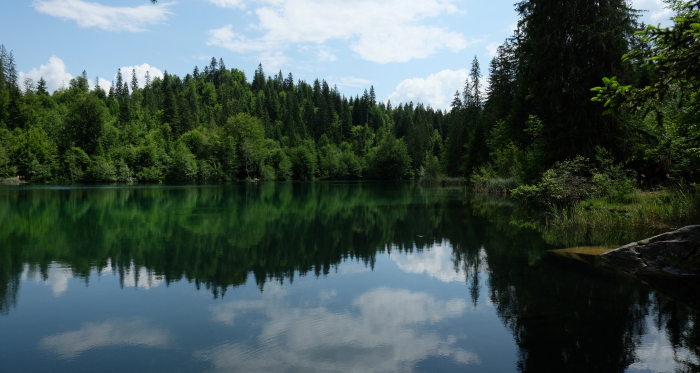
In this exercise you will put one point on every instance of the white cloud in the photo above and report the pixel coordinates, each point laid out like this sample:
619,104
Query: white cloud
379,31
493,49
349,81
437,90
383,337
140,73
54,73
107,334
104,84
88,14
234,4
657,10
325,55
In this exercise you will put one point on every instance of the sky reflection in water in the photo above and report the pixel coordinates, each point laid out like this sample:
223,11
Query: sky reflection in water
303,277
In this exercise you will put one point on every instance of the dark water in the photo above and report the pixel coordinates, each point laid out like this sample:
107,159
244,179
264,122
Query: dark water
309,277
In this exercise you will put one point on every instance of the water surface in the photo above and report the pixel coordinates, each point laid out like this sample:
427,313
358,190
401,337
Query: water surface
306,277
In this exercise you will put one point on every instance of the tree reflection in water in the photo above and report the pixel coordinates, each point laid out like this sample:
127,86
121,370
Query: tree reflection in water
565,315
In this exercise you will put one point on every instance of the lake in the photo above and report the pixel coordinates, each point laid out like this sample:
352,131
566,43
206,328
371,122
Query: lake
312,277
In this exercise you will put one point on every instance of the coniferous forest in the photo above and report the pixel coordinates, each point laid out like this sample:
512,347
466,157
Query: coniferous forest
596,98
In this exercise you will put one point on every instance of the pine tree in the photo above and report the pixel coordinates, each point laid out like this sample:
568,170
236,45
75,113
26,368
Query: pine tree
3,68
563,49
41,86
118,88
289,82
147,80
86,81
467,95
134,81
456,102
258,79
372,96
11,70
475,75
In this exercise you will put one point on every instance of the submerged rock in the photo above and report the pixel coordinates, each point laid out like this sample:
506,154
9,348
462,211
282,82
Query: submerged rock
676,252
669,262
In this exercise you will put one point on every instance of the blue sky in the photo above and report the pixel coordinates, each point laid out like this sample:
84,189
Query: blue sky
410,50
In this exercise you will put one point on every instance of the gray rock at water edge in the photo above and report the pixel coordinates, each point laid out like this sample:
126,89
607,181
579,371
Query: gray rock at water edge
669,262
676,253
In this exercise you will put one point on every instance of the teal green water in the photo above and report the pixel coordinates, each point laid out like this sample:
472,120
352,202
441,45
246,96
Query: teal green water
311,277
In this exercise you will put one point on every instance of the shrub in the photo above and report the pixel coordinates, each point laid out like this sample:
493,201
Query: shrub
76,163
267,173
101,169
575,180
184,165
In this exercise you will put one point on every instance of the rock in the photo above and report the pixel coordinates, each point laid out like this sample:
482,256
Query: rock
676,253
669,262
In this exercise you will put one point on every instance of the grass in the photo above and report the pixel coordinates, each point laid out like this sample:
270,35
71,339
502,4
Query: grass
656,210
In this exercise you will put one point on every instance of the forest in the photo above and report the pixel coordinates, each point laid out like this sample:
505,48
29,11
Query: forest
596,104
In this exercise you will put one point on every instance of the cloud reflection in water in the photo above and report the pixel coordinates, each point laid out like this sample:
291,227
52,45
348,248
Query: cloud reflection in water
382,338
112,333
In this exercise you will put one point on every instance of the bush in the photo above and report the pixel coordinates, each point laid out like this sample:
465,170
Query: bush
389,160
123,172
572,181
36,155
267,173
284,168
101,169
431,169
184,165
76,163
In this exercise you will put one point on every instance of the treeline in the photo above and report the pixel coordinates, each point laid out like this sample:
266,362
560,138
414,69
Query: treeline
210,125
537,112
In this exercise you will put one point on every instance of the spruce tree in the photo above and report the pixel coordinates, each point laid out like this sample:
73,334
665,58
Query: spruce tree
563,49
86,81
11,69
118,88
475,75
134,81
41,87
258,79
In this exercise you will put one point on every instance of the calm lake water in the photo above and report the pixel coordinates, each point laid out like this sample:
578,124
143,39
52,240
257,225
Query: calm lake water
311,277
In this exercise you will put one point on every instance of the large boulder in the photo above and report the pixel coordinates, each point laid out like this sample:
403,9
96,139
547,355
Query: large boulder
676,252
669,262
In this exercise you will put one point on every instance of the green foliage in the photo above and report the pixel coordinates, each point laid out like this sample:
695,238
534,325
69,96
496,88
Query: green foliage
284,168
85,121
76,162
35,155
575,180
390,160
101,169
183,165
